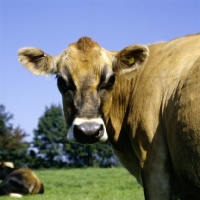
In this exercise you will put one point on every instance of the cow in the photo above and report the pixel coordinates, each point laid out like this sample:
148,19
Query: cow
17,182
143,99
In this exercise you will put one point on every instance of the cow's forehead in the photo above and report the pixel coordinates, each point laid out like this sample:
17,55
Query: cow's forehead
85,58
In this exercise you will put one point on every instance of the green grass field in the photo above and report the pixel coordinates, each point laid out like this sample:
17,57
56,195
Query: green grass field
87,184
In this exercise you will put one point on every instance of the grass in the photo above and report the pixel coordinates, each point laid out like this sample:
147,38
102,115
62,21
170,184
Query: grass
87,184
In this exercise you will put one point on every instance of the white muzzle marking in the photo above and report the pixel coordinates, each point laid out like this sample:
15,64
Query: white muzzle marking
78,121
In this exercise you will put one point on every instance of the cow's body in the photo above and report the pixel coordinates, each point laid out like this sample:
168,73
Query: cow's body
151,121
19,181
163,118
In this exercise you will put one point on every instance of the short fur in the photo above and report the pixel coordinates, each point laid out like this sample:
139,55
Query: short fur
152,121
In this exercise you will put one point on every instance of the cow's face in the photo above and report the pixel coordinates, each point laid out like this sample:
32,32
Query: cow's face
4,169
85,77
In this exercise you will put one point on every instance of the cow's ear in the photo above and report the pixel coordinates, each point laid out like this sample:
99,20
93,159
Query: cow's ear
36,61
129,59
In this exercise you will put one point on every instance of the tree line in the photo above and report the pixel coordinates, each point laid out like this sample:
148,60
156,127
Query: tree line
49,146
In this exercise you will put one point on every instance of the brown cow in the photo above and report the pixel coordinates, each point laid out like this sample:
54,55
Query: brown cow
152,120
19,181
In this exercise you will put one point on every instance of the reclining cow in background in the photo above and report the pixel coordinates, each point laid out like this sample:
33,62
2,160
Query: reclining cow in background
19,181
152,121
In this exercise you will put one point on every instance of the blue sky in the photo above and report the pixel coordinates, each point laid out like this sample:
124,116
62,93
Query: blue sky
52,25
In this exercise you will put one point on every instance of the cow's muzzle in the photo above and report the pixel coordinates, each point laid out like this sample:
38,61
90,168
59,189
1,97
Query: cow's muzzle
86,131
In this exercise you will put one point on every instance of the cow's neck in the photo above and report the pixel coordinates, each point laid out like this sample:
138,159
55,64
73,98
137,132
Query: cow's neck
120,107
118,129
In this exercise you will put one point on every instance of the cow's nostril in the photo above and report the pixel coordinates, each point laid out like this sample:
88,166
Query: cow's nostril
88,132
89,129
99,132
79,129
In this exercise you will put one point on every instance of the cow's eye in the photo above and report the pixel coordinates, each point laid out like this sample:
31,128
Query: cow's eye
111,80
109,84
62,84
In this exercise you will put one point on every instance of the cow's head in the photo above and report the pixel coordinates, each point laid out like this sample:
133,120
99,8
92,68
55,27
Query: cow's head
5,169
85,77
